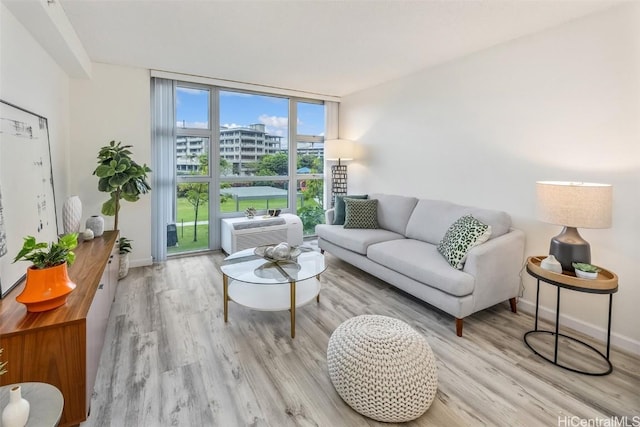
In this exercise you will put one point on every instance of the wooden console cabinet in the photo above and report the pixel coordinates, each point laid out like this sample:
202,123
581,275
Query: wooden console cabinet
62,347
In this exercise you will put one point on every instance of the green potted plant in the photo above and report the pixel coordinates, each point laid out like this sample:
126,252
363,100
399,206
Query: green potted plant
48,284
124,248
586,271
121,177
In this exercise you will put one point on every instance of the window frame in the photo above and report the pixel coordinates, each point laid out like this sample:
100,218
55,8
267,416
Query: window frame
214,178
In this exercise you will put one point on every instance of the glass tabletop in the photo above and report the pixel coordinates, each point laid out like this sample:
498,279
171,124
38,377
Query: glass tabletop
246,266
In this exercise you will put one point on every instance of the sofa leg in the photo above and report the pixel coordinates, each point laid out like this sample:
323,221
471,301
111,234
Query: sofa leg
459,323
512,303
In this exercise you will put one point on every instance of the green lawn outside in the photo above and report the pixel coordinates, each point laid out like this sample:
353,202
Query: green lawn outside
259,204
186,215
185,211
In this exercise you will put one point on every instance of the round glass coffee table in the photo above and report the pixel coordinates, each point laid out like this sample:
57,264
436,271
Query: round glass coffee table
271,286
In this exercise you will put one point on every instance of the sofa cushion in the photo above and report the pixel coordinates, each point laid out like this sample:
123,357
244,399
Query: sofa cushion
339,213
463,234
431,219
354,239
422,262
394,211
361,213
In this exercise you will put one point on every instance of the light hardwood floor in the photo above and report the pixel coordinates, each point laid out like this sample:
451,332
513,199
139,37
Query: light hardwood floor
170,360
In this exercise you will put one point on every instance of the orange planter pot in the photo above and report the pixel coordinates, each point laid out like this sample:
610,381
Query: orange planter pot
46,289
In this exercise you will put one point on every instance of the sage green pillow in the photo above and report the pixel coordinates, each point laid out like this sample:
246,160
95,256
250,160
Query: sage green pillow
339,213
361,213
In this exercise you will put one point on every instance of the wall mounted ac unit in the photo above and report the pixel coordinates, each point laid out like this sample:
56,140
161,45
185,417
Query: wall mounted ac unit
241,233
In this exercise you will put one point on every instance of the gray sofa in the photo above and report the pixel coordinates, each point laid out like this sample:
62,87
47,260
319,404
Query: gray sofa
403,252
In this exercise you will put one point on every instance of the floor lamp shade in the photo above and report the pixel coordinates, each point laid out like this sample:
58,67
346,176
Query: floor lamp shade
573,205
338,149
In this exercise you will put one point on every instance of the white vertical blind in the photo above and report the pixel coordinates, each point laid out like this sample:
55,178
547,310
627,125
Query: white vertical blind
331,110
332,114
163,137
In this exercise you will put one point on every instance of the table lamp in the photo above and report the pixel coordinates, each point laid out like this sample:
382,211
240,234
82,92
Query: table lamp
572,205
338,149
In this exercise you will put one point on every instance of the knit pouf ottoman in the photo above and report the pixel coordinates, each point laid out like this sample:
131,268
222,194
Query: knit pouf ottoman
382,368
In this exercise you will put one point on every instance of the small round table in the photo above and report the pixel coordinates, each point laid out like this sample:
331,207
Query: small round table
272,286
606,283
45,403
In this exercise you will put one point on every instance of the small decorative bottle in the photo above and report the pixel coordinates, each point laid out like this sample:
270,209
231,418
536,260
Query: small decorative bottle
16,413
96,224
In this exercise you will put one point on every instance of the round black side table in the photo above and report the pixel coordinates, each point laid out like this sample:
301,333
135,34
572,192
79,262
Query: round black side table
606,283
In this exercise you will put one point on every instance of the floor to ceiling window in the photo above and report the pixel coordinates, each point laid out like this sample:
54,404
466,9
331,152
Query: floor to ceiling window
238,149
190,231
254,152
310,164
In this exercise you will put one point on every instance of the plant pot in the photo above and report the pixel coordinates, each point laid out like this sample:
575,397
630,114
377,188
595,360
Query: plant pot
124,266
586,274
46,288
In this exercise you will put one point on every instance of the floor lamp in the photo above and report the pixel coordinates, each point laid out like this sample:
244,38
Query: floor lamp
340,150
572,205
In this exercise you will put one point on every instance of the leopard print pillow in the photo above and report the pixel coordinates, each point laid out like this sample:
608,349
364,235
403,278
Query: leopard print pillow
463,234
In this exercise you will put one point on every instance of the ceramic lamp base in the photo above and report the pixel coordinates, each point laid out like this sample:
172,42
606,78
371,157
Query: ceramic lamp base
569,247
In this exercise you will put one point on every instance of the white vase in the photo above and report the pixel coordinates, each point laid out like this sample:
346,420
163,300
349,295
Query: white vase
71,214
16,413
552,264
87,234
96,224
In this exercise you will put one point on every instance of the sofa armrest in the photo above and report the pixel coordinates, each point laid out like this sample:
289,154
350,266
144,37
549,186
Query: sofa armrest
496,266
328,216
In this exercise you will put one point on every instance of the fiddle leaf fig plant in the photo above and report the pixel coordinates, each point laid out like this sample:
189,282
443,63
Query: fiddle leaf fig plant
43,255
121,177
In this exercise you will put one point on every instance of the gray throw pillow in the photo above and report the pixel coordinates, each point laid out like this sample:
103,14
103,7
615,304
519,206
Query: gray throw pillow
461,236
361,213
339,213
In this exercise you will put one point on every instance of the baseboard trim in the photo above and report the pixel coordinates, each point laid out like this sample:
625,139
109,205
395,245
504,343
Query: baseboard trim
596,332
141,262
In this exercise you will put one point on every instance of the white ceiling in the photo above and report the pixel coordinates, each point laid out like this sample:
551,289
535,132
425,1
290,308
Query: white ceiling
326,47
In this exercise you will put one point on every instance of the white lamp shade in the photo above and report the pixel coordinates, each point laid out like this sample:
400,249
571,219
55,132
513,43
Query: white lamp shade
338,149
575,204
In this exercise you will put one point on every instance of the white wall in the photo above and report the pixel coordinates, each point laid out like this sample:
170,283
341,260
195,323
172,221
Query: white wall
560,105
83,115
31,79
113,105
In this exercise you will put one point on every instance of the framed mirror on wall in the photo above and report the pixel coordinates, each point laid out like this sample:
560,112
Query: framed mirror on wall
27,201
